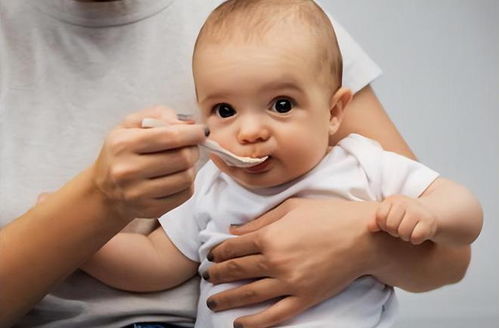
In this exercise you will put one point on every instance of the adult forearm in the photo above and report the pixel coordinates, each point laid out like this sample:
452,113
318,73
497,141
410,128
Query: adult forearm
417,268
414,268
365,115
458,214
50,241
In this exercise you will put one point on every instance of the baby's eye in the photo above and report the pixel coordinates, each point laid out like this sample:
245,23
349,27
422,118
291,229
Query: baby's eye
283,105
224,110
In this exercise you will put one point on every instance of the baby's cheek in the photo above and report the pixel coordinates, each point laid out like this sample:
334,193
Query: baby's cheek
221,134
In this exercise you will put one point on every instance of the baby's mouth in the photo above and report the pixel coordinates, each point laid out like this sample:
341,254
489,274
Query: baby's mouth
259,167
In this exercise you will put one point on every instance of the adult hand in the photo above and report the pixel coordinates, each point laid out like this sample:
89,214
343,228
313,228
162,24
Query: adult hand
42,197
146,172
301,258
139,173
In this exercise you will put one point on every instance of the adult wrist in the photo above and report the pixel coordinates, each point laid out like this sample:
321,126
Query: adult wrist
367,256
102,205
379,250
373,248
109,206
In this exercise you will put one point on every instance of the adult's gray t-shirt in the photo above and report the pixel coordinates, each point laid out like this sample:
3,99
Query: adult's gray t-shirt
69,72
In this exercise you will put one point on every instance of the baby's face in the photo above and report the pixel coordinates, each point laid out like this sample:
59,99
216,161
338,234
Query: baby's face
264,98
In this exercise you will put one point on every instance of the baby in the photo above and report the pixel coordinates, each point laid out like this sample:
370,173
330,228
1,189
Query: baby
268,82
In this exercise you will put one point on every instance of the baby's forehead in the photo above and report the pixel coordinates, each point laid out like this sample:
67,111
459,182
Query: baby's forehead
290,45
287,36
273,23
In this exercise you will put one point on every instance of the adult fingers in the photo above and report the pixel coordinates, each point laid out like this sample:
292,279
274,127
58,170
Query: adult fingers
156,207
235,247
161,187
134,178
252,266
144,141
283,310
271,216
42,197
158,164
161,113
252,293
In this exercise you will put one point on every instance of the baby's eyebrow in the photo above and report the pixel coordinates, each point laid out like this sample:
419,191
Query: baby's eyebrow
280,85
265,87
218,95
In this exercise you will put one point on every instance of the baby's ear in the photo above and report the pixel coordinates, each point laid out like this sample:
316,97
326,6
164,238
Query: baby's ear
339,101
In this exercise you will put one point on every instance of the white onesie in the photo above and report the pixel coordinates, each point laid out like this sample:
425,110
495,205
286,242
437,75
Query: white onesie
356,169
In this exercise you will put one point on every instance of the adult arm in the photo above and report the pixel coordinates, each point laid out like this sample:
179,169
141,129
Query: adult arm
366,116
339,248
139,173
308,258
458,213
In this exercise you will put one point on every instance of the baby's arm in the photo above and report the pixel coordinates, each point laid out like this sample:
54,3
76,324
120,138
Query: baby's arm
140,263
445,213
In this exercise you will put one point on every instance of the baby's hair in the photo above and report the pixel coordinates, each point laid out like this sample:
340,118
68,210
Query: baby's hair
249,20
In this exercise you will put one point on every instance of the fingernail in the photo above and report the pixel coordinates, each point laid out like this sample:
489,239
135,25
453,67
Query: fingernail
207,131
211,304
238,325
235,225
184,117
210,257
206,275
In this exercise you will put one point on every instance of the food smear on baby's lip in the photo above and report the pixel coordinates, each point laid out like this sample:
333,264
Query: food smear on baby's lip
259,167
248,162
244,162
228,157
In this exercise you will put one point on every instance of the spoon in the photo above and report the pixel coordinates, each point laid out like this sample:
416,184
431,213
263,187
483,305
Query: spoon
212,146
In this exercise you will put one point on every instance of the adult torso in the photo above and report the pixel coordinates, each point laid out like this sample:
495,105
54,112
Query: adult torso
67,76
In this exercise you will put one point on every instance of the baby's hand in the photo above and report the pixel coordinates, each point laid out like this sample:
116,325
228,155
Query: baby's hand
406,218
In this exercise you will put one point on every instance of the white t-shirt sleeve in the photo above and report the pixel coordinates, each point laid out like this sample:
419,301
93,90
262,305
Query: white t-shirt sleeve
388,173
359,69
403,176
184,223
182,228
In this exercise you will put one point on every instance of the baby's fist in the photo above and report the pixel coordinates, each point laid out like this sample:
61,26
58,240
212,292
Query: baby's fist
406,218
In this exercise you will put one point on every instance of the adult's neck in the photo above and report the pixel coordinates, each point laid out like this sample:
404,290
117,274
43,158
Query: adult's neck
101,13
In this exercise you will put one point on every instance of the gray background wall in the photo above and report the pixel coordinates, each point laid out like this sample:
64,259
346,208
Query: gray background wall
441,87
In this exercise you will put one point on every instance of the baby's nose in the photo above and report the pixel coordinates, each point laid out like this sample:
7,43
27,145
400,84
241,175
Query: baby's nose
253,130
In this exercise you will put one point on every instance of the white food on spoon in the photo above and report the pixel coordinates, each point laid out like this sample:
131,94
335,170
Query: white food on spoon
212,146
